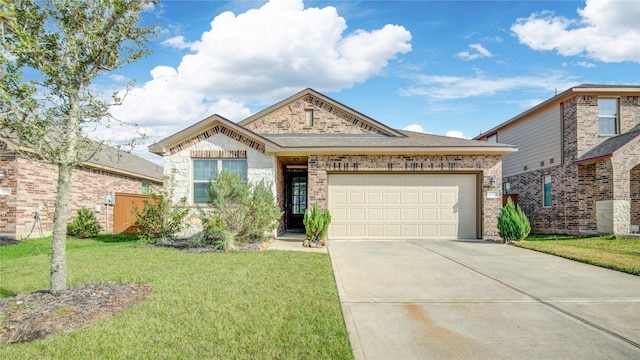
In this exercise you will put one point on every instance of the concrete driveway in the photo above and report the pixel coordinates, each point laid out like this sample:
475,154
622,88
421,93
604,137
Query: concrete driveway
471,299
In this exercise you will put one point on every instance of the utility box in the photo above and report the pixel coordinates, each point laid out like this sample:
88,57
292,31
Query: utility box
110,198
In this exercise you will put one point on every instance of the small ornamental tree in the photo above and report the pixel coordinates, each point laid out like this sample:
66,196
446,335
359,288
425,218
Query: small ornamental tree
316,223
160,218
513,223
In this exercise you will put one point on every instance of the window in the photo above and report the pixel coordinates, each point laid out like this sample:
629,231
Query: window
607,116
546,191
146,187
308,117
205,170
493,138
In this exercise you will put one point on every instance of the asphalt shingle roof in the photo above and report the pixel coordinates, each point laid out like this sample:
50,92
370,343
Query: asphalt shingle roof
609,146
411,139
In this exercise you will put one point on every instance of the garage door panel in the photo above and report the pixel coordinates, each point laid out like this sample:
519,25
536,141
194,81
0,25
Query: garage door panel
411,214
375,198
402,205
375,214
393,214
357,214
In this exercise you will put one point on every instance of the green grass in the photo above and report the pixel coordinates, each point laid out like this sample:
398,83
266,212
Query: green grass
606,251
254,305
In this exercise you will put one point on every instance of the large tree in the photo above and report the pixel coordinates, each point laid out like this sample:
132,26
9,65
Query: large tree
51,51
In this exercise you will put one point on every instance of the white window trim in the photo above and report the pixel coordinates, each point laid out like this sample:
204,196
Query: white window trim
616,118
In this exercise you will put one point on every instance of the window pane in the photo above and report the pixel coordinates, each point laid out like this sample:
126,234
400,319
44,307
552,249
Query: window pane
237,167
607,116
200,193
547,191
204,170
606,126
608,107
299,195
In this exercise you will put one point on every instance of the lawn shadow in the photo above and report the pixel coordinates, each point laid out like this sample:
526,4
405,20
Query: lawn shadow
6,293
116,238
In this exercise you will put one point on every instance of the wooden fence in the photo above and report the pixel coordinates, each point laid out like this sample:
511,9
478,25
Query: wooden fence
123,219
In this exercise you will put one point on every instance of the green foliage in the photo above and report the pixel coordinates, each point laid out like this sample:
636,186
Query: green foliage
513,223
316,223
239,212
85,224
160,218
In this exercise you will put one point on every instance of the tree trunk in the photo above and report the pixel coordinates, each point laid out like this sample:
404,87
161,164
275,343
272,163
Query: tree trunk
58,273
58,279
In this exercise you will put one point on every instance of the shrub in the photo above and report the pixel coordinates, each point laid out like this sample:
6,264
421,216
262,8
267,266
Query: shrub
239,212
159,218
513,223
85,225
316,223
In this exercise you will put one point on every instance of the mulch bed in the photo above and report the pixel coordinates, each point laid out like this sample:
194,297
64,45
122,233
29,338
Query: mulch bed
183,245
41,315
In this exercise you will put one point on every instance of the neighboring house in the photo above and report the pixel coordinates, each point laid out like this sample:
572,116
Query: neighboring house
378,182
577,169
28,187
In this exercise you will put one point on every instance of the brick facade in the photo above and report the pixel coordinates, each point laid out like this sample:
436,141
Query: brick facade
585,196
33,189
326,120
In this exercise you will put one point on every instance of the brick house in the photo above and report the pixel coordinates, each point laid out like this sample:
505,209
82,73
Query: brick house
28,187
378,182
577,169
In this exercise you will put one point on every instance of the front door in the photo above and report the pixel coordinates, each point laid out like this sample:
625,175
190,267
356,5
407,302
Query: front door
296,199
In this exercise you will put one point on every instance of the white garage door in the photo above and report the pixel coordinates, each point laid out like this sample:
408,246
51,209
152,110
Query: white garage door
402,206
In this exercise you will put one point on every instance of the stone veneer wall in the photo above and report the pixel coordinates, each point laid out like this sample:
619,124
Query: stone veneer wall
33,189
326,120
321,165
178,168
635,195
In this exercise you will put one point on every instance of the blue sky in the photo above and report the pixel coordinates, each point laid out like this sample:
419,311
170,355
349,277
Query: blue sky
445,67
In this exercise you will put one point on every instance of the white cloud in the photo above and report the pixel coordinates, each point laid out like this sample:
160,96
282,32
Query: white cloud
456,134
586,64
459,87
477,52
607,30
261,55
177,42
414,127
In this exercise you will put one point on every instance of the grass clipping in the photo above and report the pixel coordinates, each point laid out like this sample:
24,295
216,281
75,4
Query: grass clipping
41,315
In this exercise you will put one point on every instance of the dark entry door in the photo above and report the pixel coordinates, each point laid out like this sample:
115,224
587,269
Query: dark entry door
296,199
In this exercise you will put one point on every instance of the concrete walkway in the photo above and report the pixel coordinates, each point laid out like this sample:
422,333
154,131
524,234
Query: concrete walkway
292,241
456,299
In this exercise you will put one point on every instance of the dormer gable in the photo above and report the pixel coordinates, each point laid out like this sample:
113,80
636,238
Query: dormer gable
309,112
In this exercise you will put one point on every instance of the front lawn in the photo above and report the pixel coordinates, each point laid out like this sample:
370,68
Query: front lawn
252,305
606,251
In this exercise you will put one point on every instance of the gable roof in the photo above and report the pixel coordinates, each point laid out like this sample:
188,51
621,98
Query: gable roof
610,147
384,140
111,160
583,89
201,130
326,102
